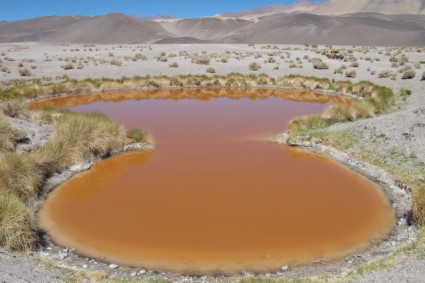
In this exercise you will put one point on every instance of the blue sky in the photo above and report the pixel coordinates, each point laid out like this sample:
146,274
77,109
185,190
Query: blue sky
23,9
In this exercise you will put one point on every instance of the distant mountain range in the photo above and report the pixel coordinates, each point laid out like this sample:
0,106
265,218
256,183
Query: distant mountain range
344,22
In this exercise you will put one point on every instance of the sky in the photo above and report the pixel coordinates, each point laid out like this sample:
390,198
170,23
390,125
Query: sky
12,10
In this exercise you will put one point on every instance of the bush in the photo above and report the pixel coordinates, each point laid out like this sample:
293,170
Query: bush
254,66
409,74
173,65
68,66
319,65
201,60
25,72
211,70
139,136
405,92
351,74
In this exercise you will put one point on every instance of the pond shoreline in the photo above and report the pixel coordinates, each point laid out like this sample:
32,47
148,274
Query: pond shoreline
402,234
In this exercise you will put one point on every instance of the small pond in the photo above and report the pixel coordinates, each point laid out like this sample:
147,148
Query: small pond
215,196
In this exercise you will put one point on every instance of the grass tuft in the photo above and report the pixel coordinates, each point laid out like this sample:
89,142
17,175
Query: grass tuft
139,135
16,233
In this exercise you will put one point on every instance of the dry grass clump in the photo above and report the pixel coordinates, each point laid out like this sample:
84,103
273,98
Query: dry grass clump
173,65
78,137
376,100
408,74
12,108
419,205
16,233
8,136
139,135
319,64
68,66
350,74
254,66
210,70
201,59
20,175
306,122
309,83
25,72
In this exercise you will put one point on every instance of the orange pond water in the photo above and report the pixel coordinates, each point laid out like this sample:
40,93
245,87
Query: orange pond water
214,197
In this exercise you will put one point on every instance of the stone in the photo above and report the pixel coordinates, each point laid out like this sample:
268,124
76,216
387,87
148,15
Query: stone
134,273
85,266
113,266
142,271
284,268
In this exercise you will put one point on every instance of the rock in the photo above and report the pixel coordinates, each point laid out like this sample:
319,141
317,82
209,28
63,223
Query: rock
134,273
113,266
85,266
142,271
284,268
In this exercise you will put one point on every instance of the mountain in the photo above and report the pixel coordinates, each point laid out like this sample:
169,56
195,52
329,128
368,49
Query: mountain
341,7
343,22
335,7
300,6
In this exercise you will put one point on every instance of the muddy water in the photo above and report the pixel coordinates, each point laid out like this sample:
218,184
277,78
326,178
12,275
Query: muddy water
214,197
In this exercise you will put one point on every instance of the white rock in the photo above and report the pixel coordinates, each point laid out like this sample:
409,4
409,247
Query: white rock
85,266
133,274
113,266
284,268
142,271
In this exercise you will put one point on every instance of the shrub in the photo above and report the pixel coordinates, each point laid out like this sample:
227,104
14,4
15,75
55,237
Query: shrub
16,233
68,66
423,77
25,72
385,74
117,63
201,60
254,66
409,74
139,135
173,65
354,64
351,74
319,65
211,70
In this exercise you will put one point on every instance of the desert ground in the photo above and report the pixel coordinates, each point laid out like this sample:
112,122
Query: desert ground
395,138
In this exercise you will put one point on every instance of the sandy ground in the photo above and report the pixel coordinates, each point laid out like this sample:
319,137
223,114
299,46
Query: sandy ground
401,131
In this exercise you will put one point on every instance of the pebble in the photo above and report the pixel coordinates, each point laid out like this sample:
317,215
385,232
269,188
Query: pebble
113,266
284,268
